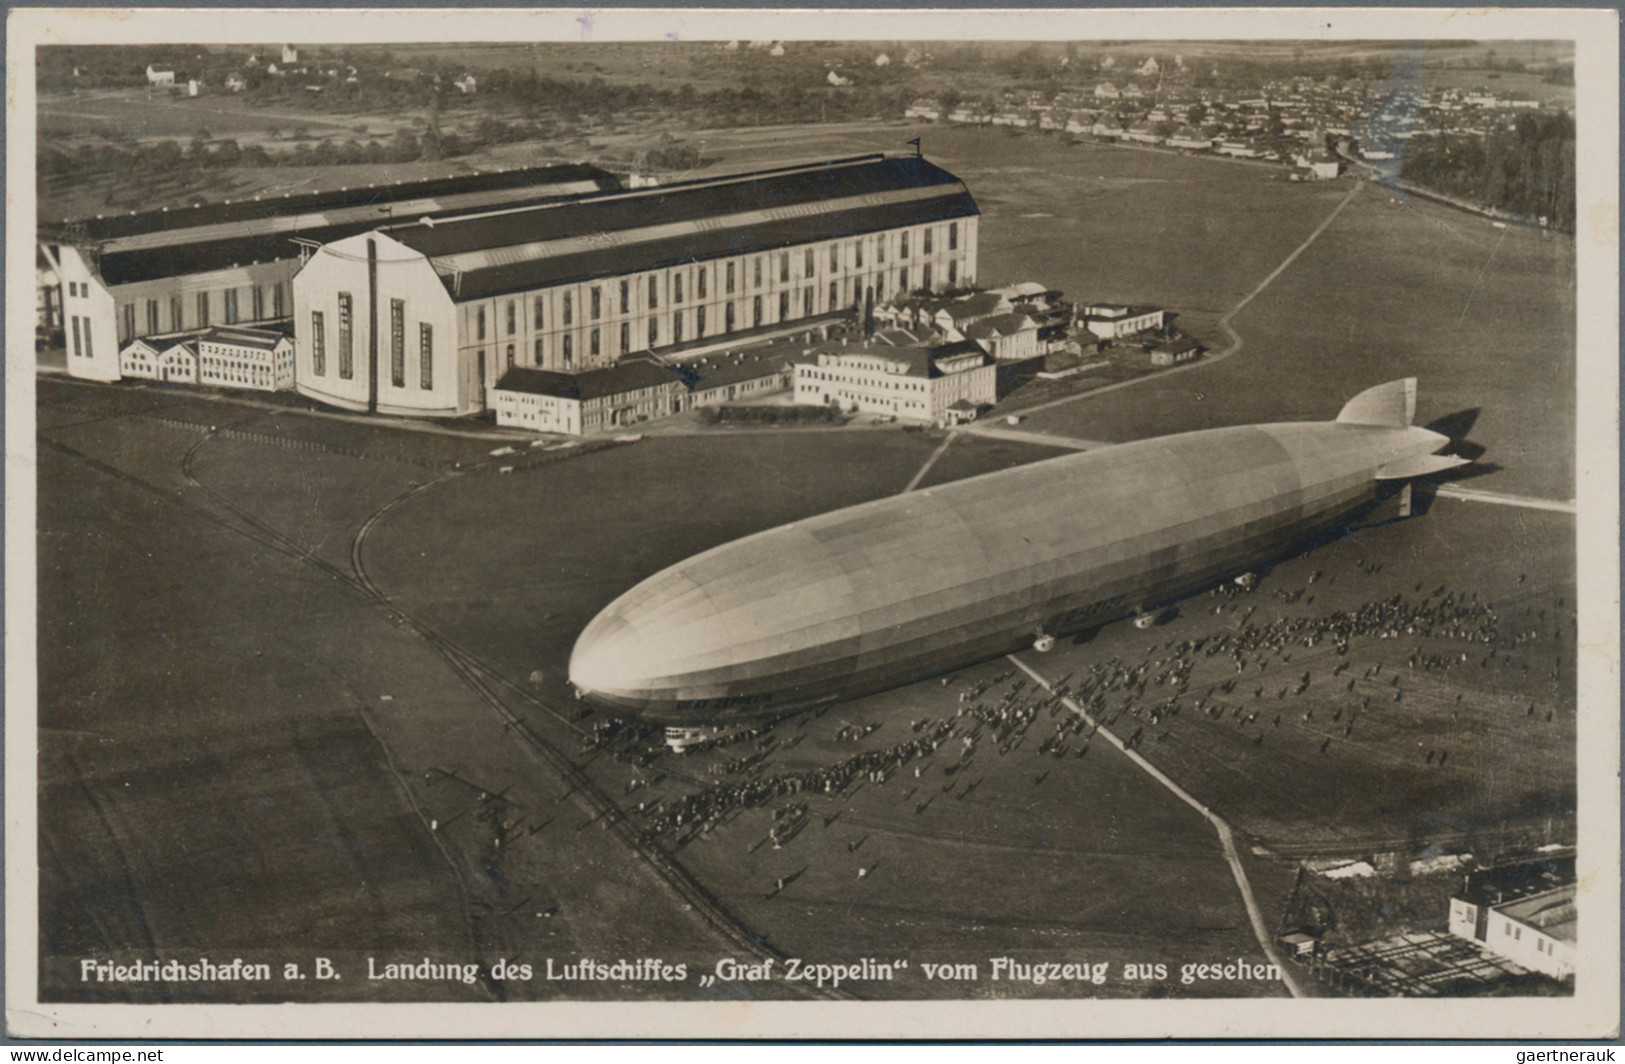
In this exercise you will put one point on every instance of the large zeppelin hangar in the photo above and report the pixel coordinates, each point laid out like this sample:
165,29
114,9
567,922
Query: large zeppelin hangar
420,317
129,276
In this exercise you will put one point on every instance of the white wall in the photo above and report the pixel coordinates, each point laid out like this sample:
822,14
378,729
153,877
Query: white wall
402,274
93,310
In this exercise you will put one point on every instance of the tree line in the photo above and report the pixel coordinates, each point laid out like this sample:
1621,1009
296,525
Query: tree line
1528,170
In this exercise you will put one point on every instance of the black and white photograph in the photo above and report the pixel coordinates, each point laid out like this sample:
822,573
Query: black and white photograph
971,524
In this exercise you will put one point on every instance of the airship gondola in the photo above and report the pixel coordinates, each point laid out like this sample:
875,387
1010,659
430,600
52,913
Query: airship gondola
914,585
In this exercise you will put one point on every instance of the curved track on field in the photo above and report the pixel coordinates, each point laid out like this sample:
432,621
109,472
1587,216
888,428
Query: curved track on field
480,678
486,683
1236,342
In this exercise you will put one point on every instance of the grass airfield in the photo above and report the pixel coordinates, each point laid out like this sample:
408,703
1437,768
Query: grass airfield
248,744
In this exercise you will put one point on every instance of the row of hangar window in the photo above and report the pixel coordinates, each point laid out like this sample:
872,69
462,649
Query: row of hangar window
729,314
594,340
397,343
232,306
595,308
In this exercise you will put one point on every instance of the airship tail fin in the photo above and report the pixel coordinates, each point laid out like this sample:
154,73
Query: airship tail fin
1391,405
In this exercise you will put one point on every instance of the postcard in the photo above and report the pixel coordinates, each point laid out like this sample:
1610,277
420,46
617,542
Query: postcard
795,524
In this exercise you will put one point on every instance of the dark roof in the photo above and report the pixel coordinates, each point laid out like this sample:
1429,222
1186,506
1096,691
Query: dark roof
164,341
958,347
921,360
698,247
1006,324
714,371
269,207
688,201
592,384
241,336
127,267
1503,883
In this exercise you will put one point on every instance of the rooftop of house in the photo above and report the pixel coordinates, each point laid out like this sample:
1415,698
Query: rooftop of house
720,370
628,376
918,361
243,336
1002,324
1551,912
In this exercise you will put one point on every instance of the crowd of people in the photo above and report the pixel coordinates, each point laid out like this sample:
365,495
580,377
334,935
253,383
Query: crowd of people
1323,698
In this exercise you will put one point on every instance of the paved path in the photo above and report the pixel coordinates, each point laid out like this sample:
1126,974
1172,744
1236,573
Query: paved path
929,462
1043,439
1527,502
1236,342
1227,840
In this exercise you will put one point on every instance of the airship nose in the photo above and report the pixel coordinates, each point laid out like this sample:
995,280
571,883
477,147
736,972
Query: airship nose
605,659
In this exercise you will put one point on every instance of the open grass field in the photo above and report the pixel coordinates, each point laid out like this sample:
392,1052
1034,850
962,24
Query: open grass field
1484,318
241,751
935,886
159,115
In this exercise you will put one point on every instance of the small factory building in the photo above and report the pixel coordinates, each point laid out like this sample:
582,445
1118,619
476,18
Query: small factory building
1111,321
161,358
733,376
240,357
914,383
1535,931
596,400
1522,911
425,317
221,357
1174,352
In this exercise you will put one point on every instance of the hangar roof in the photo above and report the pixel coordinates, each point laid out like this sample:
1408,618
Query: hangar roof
241,336
145,222
516,249
721,243
268,235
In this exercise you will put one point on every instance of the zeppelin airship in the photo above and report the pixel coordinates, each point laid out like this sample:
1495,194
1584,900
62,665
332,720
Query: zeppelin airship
918,584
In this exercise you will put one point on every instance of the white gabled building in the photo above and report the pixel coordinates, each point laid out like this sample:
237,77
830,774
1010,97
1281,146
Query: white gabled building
1112,321
1007,337
87,319
598,400
910,383
161,358
139,359
241,357
1536,931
